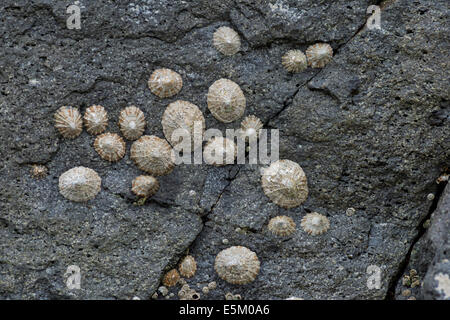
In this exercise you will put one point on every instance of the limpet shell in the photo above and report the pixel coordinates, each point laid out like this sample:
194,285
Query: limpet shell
237,265
95,119
79,184
132,123
226,101
226,41
315,223
281,226
294,61
110,146
250,127
165,83
68,122
153,155
182,115
220,151
319,55
285,183
171,278
145,186
187,267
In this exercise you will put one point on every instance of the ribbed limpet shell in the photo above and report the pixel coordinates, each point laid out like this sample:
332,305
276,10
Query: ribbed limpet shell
171,278
281,226
319,55
315,223
145,186
68,122
79,184
294,61
226,41
95,119
284,182
110,146
250,127
187,267
226,101
220,151
165,83
237,265
182,115
132,122
153,155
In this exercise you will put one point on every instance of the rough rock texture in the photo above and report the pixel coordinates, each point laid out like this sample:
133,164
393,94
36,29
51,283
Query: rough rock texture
370,130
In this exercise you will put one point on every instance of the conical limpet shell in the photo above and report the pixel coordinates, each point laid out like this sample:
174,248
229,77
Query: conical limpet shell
182,115
319,55
187,267
226,101
95,119
250,127
281,226
220,151
68,122
284,182
165,83
153,155
226,41
79,184
145,186
132,122
171,278
38,171
315,223
237,265
110,146
294,61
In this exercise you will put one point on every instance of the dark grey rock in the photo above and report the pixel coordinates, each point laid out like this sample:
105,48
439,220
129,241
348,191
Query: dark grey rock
371,131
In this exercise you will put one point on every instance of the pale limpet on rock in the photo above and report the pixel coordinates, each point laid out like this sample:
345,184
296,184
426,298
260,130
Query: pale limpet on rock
226,41
95,119
68,122
132,122
220,151
110,146
284,182
315,223
294,61
319,55
187,267
165,83
237,265
282,226
79,184
226,101
145,186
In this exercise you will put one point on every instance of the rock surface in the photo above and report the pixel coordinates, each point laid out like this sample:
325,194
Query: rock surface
370,130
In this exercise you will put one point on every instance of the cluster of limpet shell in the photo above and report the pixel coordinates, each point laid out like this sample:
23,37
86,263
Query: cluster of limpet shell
317,56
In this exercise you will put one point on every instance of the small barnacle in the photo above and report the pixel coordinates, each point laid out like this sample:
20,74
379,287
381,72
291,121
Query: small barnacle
191,295
406,292
165,83
68,122
284,182
205,290
171,278
220,151
79,184
237,265
229,296
212,285
406,281
281,226
350,212
319,55
430,197
132,122
226,41
187,267
294,298
95,119
294,61
182,115
38,171
153,155
315,223
163,290
145,186
226,101
155,296
250,127
110,146
412,298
